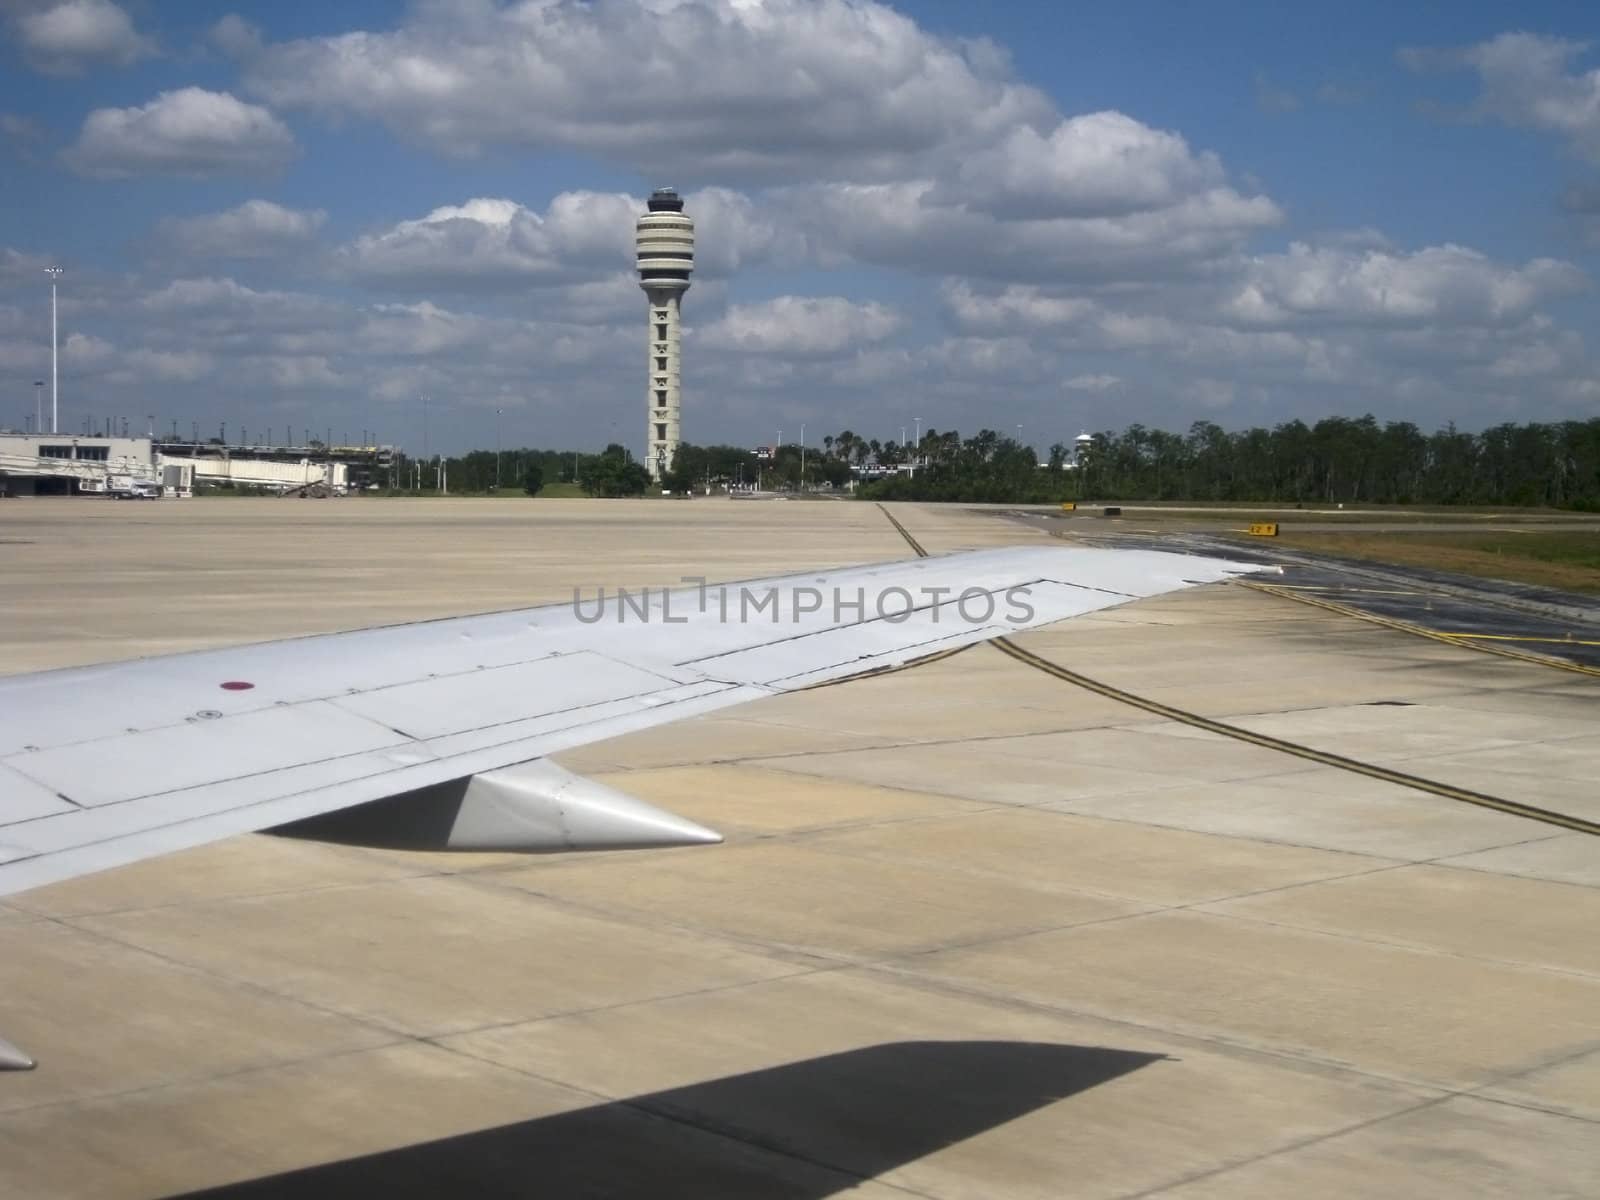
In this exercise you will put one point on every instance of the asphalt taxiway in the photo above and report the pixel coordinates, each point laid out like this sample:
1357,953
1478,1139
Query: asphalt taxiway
977,931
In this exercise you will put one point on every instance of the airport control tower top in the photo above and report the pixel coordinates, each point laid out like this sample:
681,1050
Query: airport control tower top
664,242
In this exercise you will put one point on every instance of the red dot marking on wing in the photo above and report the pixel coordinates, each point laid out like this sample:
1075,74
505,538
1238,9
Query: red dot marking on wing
236,685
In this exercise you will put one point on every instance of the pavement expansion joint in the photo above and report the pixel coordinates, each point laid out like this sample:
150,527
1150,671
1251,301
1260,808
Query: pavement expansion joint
1326,758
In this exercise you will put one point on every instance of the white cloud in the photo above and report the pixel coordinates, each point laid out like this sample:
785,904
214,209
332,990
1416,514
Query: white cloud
1448,284
734,231
235,36
1018,306
80,351
934,156
985,361
1092,383
1527,81
583,240
189,132
63,38
800,326
1102,164
255,229
498,243
921,227
168,366
723,88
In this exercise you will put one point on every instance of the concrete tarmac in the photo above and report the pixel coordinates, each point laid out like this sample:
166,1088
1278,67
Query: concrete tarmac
975,932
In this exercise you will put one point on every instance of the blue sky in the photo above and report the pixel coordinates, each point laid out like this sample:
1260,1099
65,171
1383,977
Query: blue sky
309,216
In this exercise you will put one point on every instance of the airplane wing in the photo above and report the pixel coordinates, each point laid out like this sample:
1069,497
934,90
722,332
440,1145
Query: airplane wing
435,734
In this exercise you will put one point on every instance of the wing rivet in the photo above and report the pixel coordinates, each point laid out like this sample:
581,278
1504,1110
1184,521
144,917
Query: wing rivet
208,714
236,685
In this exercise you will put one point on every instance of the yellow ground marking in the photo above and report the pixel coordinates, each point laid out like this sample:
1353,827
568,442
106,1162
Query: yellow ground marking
1268,742
1569,640
1449,639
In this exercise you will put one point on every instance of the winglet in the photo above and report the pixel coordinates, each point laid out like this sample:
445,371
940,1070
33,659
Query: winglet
12,1059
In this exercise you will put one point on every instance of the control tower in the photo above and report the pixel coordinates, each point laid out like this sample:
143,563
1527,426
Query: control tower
664,240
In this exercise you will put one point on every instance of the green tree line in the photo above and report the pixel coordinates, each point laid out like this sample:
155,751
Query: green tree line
1336,460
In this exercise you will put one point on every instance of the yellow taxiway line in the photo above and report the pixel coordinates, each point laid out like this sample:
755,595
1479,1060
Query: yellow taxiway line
1438,635
1267,741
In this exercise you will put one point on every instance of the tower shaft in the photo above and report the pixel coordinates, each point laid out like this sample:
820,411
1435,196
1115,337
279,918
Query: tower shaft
664,241
663,398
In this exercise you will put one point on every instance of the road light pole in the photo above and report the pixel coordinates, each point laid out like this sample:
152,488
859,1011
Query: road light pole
54,273
918,442
38,406
802,457
497,449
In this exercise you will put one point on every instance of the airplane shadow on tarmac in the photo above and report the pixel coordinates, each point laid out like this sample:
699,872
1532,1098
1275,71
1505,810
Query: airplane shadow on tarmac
801,1131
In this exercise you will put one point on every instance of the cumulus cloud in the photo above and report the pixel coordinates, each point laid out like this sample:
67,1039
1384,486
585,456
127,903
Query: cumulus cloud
1527,80
236,324
925,228
1018,306
1447,284
490,243
255,229
63,38
190,132
1102,164
81,350
795,326
934,151
235,36
1151,321
718,88
220,314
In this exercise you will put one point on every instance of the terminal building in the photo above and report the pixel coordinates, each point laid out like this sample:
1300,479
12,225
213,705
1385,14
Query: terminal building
58,464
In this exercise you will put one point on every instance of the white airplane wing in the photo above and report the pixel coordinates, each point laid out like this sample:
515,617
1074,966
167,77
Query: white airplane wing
434,734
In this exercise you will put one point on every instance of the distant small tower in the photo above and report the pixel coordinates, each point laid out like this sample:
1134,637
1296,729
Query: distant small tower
664,241
1081,445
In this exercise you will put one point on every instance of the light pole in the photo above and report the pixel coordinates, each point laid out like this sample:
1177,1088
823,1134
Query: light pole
919,436
802,456
38,406
54,273
497,449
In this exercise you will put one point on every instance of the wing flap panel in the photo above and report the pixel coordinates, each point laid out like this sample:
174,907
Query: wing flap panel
200,751
436,708
26,800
